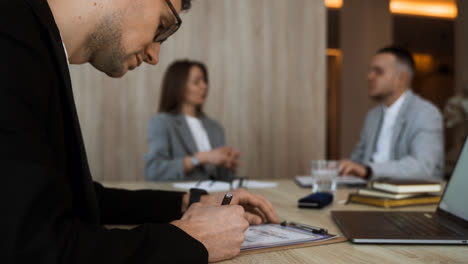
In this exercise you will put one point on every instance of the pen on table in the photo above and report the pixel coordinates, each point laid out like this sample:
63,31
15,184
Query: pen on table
227,199
313,229
198,183
212,182
241,180
212,179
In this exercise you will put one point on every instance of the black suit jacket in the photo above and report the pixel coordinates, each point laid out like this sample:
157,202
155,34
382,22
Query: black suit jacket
51,211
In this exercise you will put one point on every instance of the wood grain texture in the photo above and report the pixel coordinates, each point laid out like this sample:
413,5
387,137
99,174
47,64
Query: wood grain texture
333,106
266,60
366,26
284,198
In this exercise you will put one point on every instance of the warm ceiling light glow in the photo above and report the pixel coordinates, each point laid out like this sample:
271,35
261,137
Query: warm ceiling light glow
442,9
334,3
424,63
334,52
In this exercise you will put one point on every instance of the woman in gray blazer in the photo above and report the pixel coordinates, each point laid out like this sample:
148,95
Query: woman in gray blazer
184,144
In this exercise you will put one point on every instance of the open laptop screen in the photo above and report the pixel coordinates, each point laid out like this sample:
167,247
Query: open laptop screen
455,197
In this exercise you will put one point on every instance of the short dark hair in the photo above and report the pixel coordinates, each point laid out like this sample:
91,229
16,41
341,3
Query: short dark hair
174,83
402,55
186,4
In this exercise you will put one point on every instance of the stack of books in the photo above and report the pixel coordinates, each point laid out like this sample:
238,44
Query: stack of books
394,193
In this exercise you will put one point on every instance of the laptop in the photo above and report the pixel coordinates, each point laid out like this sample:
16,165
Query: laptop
447,225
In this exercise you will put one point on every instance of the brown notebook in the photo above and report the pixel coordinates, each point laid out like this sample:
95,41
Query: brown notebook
388,203
407,186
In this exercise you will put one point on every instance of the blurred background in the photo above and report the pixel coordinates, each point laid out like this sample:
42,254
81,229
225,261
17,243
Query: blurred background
287,79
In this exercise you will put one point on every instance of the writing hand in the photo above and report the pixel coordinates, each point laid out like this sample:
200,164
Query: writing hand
257,208
219,228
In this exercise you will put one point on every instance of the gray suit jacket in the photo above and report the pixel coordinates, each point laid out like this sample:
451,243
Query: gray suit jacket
417,141
170,141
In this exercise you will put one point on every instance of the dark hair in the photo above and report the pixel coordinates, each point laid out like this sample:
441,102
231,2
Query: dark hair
402,55
186,4
173,85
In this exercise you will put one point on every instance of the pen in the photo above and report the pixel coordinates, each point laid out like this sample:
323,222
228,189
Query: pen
198,183
227,199
313,229
241,180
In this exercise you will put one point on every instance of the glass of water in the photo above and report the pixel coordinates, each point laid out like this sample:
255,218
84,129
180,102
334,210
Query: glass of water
324,173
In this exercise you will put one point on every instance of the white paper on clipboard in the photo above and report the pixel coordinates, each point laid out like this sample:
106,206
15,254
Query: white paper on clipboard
274,235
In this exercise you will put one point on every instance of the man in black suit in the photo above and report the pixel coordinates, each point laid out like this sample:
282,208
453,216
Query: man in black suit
52,211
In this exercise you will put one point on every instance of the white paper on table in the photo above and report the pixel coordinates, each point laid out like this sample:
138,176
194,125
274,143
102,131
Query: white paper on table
272,235
307,181
216,186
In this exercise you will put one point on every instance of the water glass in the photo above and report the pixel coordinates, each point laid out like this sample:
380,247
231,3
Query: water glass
324,173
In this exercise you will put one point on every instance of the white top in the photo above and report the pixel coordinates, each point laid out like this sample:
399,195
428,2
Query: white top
199,133
383,147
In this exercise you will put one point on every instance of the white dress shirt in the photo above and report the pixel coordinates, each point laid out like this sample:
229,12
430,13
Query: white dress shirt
66,54
199,133
201,139
384,141
65,49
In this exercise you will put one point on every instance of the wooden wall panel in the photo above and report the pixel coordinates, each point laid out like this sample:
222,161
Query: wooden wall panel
366,26
333,105
266,60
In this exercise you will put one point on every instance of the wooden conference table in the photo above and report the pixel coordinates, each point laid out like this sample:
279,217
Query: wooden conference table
284,197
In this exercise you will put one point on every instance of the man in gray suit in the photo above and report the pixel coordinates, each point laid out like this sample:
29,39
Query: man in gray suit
402,136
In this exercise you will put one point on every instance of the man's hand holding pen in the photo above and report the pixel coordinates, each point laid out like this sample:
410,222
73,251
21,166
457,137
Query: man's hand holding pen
221,228
257,208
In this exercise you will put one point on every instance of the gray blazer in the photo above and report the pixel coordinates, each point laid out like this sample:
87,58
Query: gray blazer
417,141
170,141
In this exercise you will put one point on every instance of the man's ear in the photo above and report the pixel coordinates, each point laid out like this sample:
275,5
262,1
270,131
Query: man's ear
404,78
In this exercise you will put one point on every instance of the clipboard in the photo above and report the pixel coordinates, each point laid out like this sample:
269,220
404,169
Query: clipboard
287,235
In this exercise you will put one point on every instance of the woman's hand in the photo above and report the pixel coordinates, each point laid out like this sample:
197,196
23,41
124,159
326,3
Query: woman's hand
225,156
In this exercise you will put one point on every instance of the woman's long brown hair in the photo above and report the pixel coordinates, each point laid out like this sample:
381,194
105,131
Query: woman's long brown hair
174,83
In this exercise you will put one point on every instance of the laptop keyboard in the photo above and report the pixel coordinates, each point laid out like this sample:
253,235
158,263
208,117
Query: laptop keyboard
419,225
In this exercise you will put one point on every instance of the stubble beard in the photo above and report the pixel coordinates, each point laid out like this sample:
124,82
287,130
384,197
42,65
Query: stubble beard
382,96
104,46
379,98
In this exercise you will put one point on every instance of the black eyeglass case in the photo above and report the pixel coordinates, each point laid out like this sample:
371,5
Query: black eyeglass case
316,200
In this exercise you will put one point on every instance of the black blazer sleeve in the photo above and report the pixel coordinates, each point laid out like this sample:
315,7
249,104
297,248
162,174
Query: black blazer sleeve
38,226
136,207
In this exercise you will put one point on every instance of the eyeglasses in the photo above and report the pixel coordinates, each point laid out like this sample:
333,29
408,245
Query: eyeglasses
164,32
